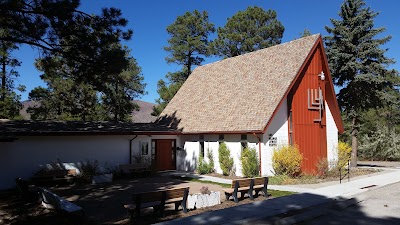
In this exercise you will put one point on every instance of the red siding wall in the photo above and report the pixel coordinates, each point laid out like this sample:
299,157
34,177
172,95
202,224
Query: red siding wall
310,136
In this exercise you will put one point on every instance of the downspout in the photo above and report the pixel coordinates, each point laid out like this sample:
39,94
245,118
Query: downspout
259,149
130,149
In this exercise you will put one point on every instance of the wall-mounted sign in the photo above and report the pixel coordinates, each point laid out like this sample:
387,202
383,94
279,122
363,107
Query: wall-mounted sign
273,141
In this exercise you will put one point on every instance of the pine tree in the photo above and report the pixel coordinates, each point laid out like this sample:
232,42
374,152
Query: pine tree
69,99
358,64
188,45
305,33
117,99
247,31
57,28
9,99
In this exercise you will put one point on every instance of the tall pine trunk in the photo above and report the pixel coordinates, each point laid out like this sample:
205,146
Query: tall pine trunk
3,75
354,133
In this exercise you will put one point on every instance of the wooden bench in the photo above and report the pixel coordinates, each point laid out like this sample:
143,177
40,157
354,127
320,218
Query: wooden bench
55,177
135,169
60,205
247,186
26,192
178,196
157,200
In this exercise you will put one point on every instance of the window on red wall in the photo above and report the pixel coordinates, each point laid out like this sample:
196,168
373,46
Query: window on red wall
290,128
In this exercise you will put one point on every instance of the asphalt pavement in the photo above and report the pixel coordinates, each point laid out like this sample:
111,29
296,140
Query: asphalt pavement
380,206
309,203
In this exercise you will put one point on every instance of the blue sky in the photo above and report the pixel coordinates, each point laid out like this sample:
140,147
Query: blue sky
149,19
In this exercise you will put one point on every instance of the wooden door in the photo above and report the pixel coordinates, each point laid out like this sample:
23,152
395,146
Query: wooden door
165,154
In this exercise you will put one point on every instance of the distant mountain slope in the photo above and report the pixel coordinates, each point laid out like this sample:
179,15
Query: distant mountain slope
141,116
144,114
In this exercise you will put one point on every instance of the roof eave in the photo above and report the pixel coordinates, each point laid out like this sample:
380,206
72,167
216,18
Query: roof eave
94,133
224,132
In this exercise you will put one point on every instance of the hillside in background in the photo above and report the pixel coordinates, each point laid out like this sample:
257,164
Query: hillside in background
141,116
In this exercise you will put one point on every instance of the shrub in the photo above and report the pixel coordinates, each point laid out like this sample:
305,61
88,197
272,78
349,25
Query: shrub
88,169
210,157
327,168
286,160
203,167
344,154
225,159
250,163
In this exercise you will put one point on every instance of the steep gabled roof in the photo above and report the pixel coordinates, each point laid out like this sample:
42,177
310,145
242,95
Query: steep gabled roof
238,94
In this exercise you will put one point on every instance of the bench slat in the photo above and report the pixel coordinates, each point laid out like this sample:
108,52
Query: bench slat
158,199
246,184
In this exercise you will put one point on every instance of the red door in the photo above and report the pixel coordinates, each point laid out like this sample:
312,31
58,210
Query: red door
165,154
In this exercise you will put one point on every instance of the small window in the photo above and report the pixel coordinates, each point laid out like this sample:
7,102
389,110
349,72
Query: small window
243,141
173,153
201,140
290,128
221,138
144,147
153,150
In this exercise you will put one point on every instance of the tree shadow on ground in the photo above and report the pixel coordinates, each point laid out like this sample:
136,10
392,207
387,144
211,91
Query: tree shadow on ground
103,204
285,210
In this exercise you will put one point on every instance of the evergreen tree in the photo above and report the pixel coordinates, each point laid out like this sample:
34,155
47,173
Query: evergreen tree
117,99
9,99
247,31
68,99
305,33
166,92
188,44
63,99
358,64
58,28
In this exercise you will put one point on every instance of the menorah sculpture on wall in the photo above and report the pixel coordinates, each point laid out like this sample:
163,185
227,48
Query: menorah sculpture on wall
315,101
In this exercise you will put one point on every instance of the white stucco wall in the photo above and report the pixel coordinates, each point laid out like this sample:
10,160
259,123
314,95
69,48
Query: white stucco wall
331,135
24,156
278,128
189,160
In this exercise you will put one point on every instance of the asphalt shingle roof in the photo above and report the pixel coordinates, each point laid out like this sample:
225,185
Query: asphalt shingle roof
31,127
238,94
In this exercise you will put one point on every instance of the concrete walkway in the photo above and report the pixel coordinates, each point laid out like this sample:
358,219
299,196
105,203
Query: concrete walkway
279,207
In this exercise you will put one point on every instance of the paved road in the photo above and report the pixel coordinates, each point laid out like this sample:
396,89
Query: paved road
381,206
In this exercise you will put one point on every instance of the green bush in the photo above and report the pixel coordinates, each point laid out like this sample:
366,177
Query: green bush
203,167
210,157
250,163
225,159
286,160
